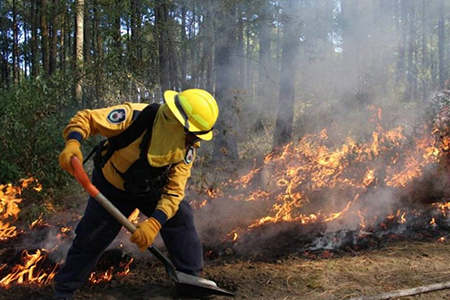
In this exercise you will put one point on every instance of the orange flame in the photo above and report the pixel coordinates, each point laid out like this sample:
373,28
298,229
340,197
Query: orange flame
32,269
126,269
388,157
134,217
95,278
9,205
29,271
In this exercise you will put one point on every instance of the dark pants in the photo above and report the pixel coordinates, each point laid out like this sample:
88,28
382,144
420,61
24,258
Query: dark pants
97,229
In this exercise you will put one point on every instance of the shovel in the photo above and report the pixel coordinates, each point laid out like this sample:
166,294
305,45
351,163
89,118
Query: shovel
192,285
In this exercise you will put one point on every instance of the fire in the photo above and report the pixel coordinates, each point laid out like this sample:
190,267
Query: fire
134,217
126,268
35,267
29,271
316,179
10,198
198,204
108,275
9,209
442,207
233,235
39,222
95,278
66,229
402,219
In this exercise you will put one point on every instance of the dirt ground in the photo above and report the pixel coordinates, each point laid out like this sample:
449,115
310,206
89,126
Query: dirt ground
398,266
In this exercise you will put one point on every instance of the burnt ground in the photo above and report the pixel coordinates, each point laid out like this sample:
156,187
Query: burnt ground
402,264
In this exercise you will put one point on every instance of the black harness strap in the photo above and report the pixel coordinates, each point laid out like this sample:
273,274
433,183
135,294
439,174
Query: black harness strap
143,122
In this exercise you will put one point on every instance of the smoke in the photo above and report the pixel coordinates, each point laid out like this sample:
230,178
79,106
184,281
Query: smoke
398,174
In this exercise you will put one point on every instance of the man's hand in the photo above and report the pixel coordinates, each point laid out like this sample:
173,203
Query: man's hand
145,233
72,149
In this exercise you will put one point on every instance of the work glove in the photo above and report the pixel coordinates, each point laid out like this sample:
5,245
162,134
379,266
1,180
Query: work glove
145,233
72,149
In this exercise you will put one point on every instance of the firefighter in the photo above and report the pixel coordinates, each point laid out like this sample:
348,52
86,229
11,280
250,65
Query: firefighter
144,163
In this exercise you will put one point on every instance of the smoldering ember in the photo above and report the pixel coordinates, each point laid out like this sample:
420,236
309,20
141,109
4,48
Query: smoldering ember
249,149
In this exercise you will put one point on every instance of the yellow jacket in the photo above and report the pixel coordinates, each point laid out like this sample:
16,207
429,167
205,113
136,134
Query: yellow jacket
167,147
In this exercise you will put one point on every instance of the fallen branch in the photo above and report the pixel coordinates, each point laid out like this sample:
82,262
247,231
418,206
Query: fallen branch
408,292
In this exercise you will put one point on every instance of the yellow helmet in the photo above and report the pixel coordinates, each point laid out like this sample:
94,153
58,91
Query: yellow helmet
196,109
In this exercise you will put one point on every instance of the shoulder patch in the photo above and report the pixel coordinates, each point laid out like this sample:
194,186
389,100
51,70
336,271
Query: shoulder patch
117,116
189,157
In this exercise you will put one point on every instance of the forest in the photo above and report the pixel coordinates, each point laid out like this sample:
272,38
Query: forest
330,151
274,66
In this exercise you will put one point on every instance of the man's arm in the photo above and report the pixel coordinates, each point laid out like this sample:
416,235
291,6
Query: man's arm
173,194
108,122
105,121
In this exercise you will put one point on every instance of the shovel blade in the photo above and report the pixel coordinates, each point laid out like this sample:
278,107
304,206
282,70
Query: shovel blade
199,287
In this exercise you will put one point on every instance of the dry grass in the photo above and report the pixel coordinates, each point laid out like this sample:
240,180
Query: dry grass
403,265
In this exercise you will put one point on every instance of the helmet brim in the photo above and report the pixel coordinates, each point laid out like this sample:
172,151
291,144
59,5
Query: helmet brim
169,97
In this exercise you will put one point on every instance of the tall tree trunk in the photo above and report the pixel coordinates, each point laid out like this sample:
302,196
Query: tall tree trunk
278,48
264,48
400,74
249,62
4,52
161,12
225,143
424,33
138,30
351,36
25,50
69,41
34,38
194,54
173,61
98,50
424,51
98,53
183,54
62,44
117,31
412,76
133,50
54,37
87,35
44,37
79,51
15,54
291,45
441,44
240,60
208,46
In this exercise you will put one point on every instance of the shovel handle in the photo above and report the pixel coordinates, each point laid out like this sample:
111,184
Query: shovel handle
83,179
176,276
